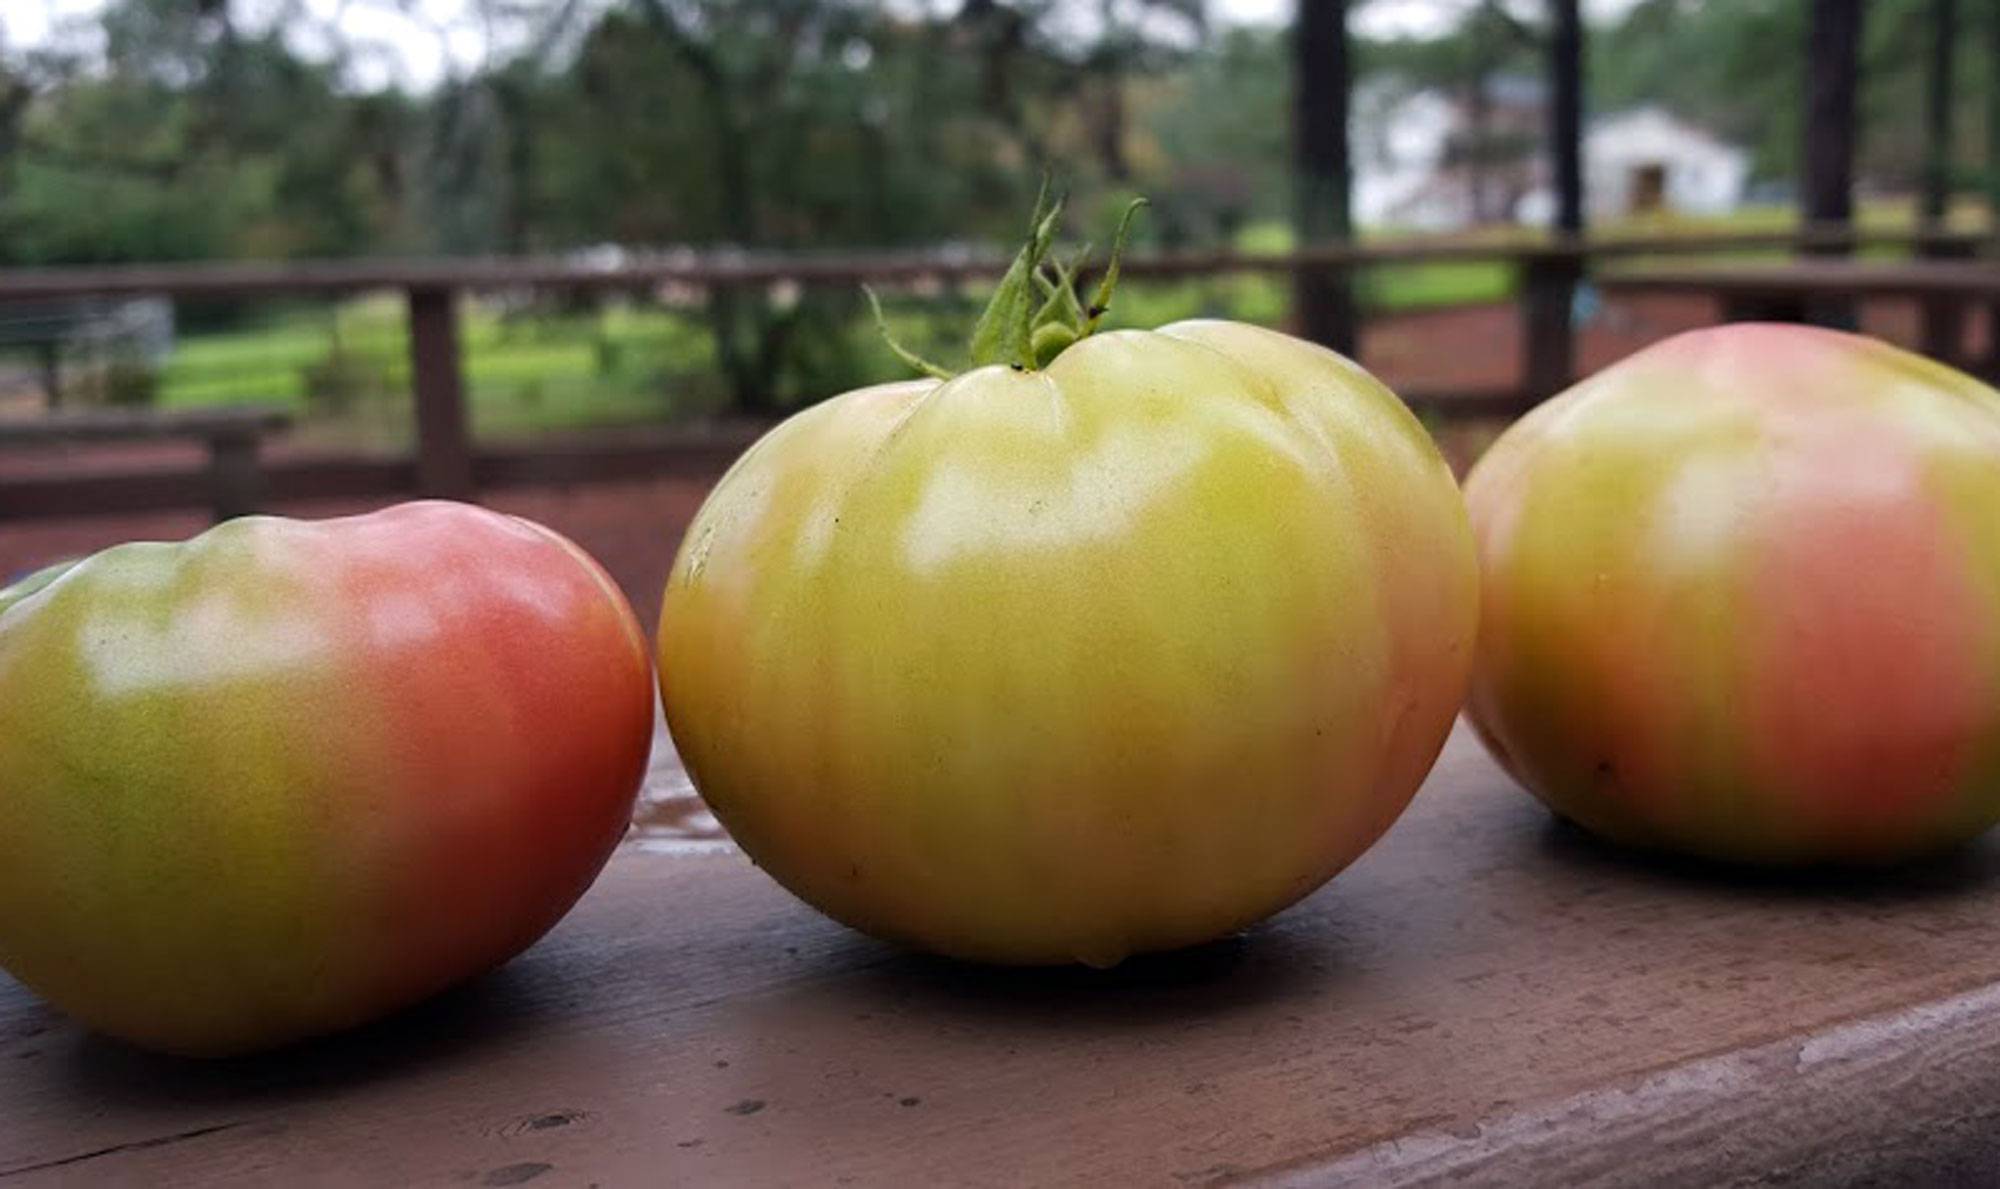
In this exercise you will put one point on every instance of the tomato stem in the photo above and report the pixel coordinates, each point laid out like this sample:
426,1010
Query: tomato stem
1017,329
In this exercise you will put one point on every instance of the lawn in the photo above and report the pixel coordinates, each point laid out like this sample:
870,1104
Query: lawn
348,365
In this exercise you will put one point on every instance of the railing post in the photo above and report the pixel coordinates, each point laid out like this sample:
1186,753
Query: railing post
1548,330
444,445
236,485
1324,293
1941,330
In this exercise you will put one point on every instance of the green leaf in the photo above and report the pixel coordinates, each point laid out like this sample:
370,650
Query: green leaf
1005,331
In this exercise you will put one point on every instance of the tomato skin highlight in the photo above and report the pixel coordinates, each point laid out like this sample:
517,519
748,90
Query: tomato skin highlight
287,777
1065,665
1742,599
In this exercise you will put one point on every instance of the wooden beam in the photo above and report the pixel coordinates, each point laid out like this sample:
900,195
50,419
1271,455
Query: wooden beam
1963,279
1548,332
338,278
1322,180
444,442
638,454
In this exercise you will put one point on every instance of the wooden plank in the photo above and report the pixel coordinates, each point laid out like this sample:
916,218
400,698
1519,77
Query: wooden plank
1484,998
334,278
444,435
38,497
1969,279
634,454
642,454
105,425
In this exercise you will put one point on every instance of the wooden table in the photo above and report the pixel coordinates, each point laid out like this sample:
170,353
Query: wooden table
1484,998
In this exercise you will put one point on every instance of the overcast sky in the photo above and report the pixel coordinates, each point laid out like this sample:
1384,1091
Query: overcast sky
413,37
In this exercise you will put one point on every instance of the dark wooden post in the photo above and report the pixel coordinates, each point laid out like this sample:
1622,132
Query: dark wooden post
1549,279
236,484
1833,67
1321,176
1548,331
444,445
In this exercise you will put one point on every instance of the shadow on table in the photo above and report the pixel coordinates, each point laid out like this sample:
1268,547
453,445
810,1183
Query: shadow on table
1267,963
1957,871
495,1009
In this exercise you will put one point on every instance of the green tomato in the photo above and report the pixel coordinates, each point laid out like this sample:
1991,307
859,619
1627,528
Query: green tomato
1064,665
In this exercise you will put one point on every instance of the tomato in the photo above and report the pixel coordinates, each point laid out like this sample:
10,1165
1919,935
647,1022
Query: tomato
287,777
1061,663
1742,599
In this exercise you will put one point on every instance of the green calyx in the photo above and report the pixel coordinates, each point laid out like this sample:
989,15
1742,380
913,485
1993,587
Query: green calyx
1035,313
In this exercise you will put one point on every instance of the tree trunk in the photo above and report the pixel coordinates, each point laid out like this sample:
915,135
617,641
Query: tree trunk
1566,112
1938,112
1479,138
1993,142
1833,41
1833,47
1320,172
49,355
1110,133
1941,319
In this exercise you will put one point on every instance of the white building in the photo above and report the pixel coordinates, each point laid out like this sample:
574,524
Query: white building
1635,161
1646,160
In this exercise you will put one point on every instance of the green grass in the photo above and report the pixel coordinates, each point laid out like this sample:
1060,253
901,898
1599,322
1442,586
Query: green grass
524,372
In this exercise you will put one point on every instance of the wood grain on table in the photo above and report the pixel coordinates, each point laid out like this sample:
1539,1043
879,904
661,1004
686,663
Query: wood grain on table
1486,997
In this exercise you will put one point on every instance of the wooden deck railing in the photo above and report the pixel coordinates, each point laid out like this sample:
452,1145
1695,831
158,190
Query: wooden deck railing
446,462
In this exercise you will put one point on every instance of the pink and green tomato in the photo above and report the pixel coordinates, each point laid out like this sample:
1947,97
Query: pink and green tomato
1742,599
287,777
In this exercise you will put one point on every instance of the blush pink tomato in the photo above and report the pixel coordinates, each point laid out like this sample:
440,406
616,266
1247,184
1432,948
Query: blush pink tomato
287,777
1742,599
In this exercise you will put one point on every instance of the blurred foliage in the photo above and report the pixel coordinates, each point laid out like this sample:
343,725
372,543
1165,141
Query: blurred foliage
183,130
195,129
1738,67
